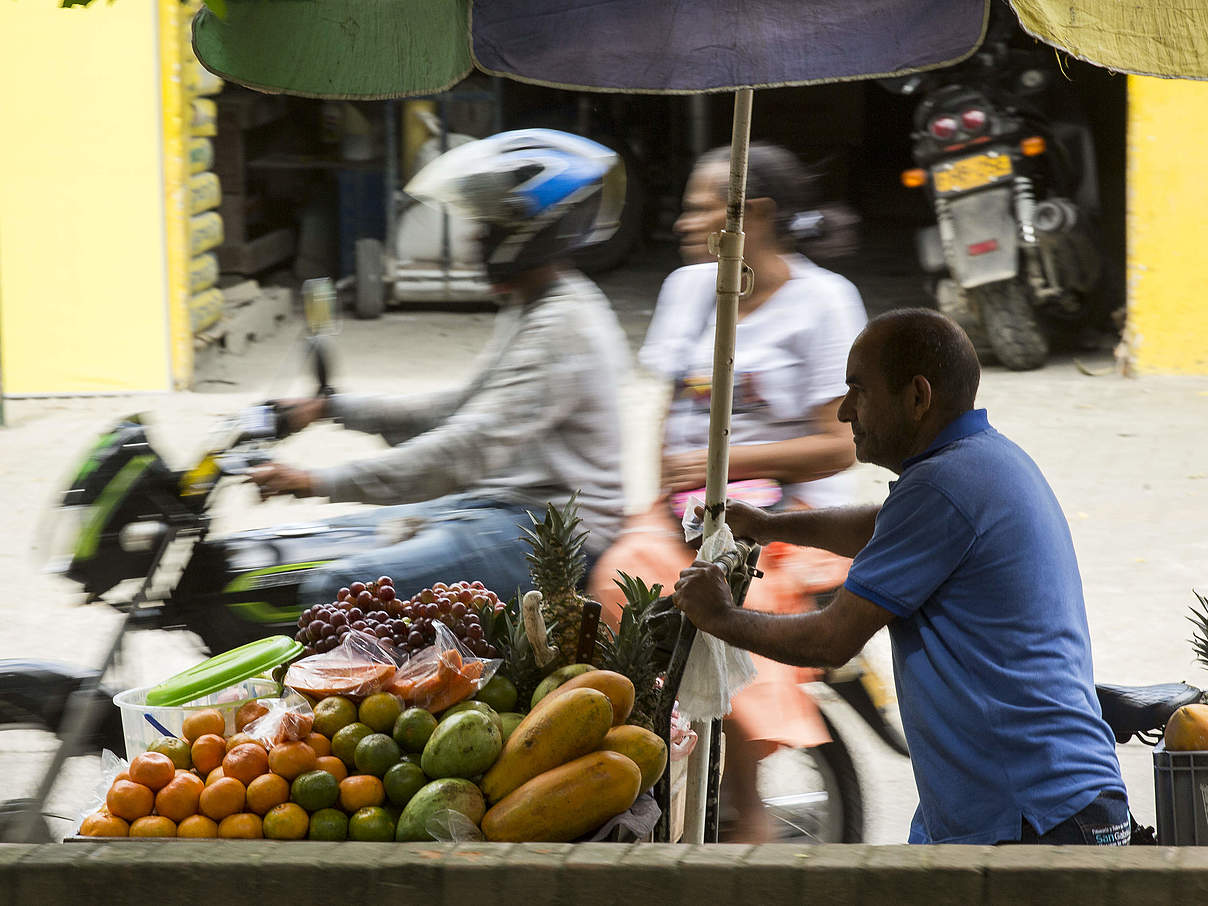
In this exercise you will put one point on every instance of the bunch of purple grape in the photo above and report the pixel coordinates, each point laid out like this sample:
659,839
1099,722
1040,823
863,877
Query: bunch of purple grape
409,625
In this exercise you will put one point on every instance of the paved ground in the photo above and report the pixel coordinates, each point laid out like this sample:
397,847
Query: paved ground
1124,457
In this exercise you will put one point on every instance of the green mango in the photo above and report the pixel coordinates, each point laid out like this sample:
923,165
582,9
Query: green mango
462,745
451,793
556,679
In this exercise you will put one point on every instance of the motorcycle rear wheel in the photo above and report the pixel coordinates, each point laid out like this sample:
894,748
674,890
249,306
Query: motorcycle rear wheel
1011,324
813,795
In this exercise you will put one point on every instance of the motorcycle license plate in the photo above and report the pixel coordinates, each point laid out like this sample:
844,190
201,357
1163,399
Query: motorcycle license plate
971,173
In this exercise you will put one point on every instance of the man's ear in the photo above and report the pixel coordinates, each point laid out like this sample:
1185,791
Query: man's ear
921,396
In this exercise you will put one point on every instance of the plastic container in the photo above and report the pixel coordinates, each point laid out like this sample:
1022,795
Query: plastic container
140,732
1180,792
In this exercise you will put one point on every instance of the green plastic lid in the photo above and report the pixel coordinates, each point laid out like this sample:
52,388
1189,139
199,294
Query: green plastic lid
224,670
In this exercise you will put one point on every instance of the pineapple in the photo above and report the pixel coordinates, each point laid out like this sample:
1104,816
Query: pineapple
557,564
504,629
1199,637
631,650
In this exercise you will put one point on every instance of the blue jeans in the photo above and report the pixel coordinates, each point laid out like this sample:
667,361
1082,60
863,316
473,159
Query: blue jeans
456,537
1105,822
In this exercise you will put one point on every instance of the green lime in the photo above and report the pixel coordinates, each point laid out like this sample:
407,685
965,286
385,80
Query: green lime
328,824
371,824
376,754
412,729
176,749
403,781
499,692
344,743
315,790
379,711
333,714
509,721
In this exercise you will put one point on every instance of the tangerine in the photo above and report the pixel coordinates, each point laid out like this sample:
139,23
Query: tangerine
129,800
287,821
152,769
215,774
197,826
332,766
241,826
175,748
180,798
208,751
206,722
153,826
289,759
267,792
103,824
248,712
245,762
240,739
320,743
225,796
359,791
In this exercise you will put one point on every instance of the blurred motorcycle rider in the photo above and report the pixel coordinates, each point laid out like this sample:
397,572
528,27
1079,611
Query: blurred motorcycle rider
539,420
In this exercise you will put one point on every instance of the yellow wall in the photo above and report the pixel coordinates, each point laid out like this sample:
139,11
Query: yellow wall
1167,225
82,250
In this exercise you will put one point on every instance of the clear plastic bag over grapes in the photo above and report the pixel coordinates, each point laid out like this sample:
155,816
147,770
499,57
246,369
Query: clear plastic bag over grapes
442,675
360,665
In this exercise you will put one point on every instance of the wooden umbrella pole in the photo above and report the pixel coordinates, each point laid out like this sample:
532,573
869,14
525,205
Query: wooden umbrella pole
728,246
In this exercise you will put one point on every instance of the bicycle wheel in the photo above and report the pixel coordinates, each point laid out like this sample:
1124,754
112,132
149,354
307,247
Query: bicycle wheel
813,795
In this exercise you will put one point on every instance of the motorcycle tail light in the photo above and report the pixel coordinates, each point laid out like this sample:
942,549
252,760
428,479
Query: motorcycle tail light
943,127
914,179
1032,146
980,248
974,120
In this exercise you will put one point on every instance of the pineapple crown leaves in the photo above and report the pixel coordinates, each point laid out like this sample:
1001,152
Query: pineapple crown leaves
631,649
555,536
1199,637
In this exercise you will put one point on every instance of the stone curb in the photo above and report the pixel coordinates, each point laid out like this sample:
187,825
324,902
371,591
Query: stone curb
166,872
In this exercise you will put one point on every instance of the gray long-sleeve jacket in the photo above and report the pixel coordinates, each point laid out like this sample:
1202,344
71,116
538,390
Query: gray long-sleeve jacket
539,420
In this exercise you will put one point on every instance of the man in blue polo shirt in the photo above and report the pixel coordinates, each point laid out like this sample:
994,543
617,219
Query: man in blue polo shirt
970,563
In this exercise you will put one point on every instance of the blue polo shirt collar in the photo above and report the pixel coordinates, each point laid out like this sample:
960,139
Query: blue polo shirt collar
964,425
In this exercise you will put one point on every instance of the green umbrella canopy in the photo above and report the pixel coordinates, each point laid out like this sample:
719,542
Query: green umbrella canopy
346,49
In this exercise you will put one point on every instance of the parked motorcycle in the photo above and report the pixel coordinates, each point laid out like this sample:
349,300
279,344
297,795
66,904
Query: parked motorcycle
1010,169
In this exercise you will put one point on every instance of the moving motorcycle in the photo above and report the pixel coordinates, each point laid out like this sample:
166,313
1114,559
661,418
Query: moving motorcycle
1010,169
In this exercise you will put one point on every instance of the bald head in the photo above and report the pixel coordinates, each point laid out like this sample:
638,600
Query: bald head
909,342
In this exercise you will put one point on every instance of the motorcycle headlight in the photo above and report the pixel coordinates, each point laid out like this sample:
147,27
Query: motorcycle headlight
56,541
1032,79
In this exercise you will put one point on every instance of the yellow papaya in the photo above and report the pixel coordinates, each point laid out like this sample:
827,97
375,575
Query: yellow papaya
552,734
565,802
1187,729
616,686
645,749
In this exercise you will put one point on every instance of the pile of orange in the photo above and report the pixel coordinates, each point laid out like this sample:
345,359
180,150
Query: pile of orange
209,784
246,790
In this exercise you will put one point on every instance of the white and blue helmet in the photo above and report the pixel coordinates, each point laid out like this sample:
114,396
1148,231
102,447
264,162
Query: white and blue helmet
540,193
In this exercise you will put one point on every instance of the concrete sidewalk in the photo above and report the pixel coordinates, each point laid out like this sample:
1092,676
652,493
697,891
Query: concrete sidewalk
1125,457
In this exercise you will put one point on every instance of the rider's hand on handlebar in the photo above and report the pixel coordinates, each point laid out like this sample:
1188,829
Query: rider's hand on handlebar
703,594
744,520
275,479
684,471
300,412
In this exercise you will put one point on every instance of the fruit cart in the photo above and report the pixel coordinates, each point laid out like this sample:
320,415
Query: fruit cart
396,717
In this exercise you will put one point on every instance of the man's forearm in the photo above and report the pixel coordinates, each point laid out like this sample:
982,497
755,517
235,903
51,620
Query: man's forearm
800,639
842,530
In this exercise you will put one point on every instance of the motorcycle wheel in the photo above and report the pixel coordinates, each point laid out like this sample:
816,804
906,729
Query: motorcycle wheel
1011,324
813,795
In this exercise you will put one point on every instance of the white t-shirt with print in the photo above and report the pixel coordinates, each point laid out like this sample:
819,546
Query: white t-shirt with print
790,357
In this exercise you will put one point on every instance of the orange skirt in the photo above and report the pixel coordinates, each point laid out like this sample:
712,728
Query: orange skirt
774,707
